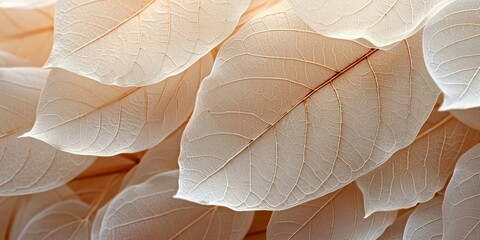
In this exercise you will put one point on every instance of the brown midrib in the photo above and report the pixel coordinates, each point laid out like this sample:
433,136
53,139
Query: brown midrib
313,91
113,28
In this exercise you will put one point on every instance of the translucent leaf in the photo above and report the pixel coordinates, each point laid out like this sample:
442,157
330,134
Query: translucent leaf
97,190
461,205
28,165
300,116
158,159
8,60
25,3
133,215
108,165
106,120
161,158
37,203
338,215
470,117
415,173
8,210
395,231
27,33
141,42
380,22
59,221
452,53
426,221
72,219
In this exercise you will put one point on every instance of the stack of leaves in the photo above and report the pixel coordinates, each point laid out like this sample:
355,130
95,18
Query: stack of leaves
239,119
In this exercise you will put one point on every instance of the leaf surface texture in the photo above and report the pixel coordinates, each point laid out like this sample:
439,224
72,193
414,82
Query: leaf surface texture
452,53
298,117
141,42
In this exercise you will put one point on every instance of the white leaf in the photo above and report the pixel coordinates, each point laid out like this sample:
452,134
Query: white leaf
279,123
28,165
8,60
338,215
426,221
60,221
37,203
461,205
415,173
161,158
9,207
27,33
72,218
470,116
380,22
25,3
452,53
81,116
395,231
148,211
140,42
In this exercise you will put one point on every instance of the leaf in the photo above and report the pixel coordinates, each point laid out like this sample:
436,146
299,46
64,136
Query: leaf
298,117
338,215
395,231
415,173
59,221
8,60
141,42
28,165
158,159
161,158
468,116
25,3
426,221
461,212
27,33
37,203
382,23
72,218
9,206
109,120
452,53
108,165
132,215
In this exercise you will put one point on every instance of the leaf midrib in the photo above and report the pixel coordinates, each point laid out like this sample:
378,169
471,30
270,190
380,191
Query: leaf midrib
308,95
138,12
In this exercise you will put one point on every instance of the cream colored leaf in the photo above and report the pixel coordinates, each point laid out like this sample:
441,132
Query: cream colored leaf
470,116
28,165
132,215
338,215
9,207
37,203
380,22
415,173
158,159
426,221
97,190
25,3
27,33
281,123
8,60
108,165
106,120
72,218
60,221
452,53
461,204
141,42
395,231
161,158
